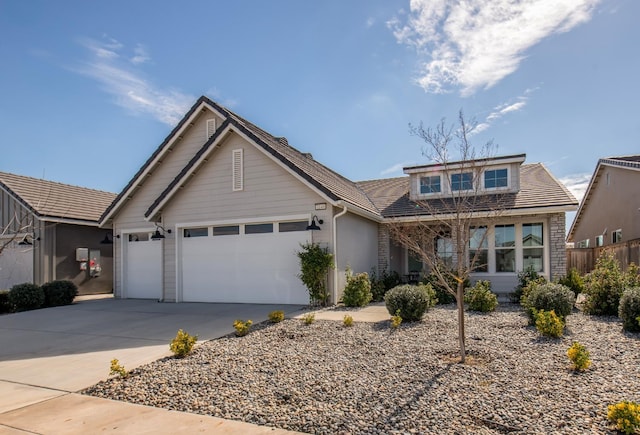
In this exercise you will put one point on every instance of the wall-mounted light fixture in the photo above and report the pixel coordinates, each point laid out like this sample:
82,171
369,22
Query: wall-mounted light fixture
313,226
28,240
157,235
107,240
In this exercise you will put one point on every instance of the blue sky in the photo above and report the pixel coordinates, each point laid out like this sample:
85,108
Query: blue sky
89,89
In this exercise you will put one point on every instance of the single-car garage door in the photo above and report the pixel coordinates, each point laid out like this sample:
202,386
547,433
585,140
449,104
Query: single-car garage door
245,263
142,267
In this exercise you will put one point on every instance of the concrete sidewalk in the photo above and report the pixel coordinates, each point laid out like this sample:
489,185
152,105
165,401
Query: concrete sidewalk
48,355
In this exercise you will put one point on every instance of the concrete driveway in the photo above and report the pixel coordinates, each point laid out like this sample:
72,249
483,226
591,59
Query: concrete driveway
52,352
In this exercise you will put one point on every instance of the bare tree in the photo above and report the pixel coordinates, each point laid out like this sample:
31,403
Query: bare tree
15,228
448,233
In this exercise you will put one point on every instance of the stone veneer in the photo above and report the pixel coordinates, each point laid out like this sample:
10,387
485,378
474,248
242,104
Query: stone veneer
558,245
383,248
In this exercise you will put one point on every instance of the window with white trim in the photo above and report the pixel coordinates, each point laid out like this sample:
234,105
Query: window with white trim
505,248
532,247
237,170
583,243
258,228
288,227
462,181
430,184
196,232
444,250
599,240
616,236
226,230
496,178
479,249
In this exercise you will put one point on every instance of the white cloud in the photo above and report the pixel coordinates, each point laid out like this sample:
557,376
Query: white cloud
474,44
577,184
370,22
396,169
501,110
119,76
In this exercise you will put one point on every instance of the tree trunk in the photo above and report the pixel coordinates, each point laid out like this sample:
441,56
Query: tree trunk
461,332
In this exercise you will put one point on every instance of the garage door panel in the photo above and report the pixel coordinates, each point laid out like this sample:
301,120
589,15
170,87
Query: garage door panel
250,268
16,266
143,270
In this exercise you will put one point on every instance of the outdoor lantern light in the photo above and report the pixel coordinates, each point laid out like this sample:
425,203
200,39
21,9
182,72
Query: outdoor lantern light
158,235
313,226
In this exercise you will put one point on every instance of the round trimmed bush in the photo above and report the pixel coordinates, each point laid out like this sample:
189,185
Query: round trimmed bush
357,292
410,302
26,296
5,306
60,292
549,297
480,298
629,310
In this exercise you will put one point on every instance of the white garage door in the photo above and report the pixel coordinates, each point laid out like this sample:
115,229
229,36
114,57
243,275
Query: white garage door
254,263
142,267
16,265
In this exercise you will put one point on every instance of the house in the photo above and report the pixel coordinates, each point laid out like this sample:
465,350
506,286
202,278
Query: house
49,231
218,211
609,214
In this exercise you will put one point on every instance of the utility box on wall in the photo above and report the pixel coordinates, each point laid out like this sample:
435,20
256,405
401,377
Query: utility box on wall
82,254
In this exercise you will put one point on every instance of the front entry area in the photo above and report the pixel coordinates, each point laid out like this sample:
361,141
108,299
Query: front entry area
243,263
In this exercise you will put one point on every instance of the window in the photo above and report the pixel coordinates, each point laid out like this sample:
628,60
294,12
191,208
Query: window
258,228
287,227
463,181
226,230
138,237
196,232
495,178
237,169
505,242
444,250
430,184
479,249
533,247
583,243
616,236
599,240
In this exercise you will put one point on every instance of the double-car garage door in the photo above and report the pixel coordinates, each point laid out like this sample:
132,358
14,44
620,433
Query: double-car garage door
231,263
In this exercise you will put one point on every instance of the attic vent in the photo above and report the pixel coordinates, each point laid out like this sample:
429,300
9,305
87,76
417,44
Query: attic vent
237,169
211,127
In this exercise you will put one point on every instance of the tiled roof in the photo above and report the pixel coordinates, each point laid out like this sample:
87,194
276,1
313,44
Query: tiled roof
623,161
56,200
538,189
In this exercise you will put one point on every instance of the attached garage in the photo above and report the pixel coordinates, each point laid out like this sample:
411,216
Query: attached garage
243,263
142,266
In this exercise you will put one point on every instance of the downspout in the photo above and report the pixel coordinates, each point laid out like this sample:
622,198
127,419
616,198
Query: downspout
335,251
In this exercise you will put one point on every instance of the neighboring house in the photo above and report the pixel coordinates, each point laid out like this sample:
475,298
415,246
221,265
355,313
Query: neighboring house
218,211
49,231
609,213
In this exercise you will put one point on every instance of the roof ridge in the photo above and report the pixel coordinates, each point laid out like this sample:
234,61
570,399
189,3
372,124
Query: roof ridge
43,180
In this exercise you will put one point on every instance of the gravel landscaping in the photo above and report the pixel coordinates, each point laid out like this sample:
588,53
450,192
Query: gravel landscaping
325,378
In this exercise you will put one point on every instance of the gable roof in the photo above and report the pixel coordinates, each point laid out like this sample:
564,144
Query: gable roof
327,182
50,200
624,162
538,190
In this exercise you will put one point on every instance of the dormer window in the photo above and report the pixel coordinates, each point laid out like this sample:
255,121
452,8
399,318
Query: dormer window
462,181
430,184
495,178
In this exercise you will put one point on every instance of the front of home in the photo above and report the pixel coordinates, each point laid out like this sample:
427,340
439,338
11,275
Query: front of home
220,209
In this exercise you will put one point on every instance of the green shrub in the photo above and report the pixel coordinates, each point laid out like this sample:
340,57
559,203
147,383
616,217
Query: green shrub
443,296
548,323
26,296
396,320
242,327
357,292
5,306
410,301
309,318
604,286
625,415
61,292
347,320
629,309
117,369
548,297
480,298
315,263
182,344
574,281
579,357
525,277
276,316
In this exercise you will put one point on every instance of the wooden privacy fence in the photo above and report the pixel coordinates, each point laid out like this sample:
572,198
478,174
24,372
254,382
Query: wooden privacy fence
584,259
